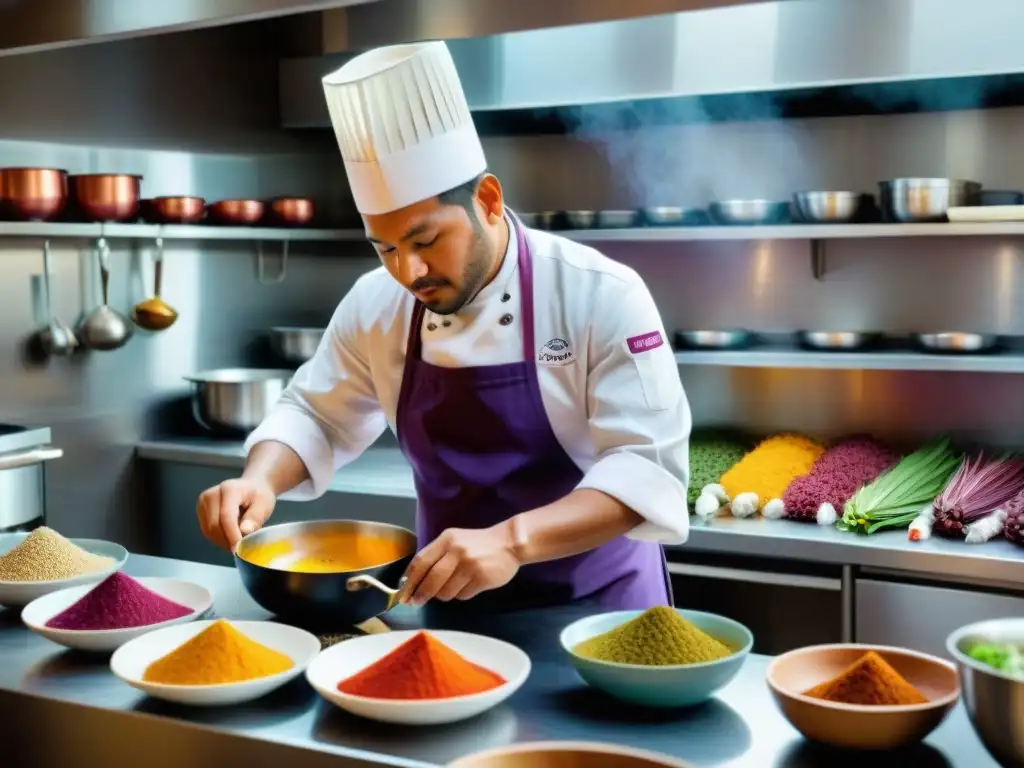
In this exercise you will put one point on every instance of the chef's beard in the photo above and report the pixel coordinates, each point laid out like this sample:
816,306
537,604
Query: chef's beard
474,276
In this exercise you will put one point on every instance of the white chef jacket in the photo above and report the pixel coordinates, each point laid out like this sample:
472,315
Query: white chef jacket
620,414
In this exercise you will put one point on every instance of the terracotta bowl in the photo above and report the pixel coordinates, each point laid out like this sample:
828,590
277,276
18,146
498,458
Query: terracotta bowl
568,754
851,726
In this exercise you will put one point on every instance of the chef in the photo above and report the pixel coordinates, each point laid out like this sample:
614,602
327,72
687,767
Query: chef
528,378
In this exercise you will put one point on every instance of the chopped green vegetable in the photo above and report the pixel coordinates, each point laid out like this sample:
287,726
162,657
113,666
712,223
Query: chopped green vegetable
1006,657
897,496
711,456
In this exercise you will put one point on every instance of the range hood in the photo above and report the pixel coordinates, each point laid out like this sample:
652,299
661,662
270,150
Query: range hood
38,25
750,48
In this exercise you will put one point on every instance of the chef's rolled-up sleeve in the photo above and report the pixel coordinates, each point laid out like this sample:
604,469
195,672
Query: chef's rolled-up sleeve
329,413
638,414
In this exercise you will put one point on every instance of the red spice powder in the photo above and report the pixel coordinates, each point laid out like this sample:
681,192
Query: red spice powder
118,602
421,668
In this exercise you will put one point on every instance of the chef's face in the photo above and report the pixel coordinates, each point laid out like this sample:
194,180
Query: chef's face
443,250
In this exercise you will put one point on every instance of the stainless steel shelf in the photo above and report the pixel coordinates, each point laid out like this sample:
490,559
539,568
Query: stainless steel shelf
797,232
1000,362
174,232
639,234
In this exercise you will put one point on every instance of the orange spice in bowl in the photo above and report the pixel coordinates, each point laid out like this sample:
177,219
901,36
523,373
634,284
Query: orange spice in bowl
870,680
421,668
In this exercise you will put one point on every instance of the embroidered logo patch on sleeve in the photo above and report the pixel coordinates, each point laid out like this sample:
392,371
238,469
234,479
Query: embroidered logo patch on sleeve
645,342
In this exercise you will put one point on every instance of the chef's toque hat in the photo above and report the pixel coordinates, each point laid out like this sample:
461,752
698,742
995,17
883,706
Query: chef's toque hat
403,126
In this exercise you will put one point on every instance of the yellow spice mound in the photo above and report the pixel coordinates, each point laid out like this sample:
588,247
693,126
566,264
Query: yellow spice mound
657,637
771,467
45,555
218,654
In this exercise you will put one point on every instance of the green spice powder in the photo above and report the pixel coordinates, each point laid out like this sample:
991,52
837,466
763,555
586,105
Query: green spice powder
657,637
710,458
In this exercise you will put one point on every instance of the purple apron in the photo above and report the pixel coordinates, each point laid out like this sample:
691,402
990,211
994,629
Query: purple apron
482,451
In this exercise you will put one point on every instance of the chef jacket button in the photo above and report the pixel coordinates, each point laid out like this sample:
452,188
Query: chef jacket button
431,327
505,297
506,319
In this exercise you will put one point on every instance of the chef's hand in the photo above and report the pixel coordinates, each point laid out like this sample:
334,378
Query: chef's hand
460,564
229,511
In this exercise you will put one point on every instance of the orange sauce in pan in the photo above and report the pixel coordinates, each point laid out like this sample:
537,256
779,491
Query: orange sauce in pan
329,553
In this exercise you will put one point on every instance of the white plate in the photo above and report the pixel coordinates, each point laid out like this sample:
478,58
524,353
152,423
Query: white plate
345,659
19,593
41,610
129,662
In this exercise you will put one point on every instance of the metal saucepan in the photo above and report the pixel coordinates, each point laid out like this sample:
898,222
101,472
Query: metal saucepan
749,212
331,600
621,219
296,345
959,342
828,207
291,211
186,209
674,216
923,200
236,400
32,194
838,340
106,196
236,212
724,339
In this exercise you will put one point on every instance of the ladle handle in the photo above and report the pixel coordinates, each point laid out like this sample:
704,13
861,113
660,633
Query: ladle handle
46,279
358,583
104,252
158,267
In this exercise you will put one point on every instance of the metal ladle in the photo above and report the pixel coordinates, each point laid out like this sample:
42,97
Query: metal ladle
154,314
105,328
56,338
364,581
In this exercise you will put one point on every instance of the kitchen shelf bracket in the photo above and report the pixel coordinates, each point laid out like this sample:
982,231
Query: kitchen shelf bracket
817,249
261,271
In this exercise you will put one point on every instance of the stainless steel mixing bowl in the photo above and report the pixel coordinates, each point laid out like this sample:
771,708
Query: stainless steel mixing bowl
236,400
924,200
749,212
827,207
956,341
994,700
295,345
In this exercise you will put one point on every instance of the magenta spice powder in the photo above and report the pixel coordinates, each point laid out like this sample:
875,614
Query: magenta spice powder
118,602
836,476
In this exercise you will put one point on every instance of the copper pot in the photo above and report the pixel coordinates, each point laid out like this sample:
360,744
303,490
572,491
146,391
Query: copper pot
33,194
239,212
291,211
106,196
173,210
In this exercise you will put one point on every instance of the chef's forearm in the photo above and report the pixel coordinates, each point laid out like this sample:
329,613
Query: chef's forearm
576,523
277,465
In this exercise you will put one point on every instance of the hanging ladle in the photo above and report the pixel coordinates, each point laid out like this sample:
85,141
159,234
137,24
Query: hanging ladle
154,314
56,338
105,328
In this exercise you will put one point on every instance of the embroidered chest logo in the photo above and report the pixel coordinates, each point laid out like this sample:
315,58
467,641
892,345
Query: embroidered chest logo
645,342
556,352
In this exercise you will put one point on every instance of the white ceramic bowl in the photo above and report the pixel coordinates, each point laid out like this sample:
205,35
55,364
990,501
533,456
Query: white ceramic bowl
20,593
41,610
346,659
130,661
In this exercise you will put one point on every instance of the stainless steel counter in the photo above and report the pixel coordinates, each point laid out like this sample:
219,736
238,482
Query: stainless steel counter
385,472
62,706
